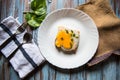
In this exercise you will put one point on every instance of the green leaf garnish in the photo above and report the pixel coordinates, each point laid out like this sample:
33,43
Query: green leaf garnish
40,19
37,4
71,45
66,31
28,16
33,23
37,14
73,34
76,37
40,11
71,31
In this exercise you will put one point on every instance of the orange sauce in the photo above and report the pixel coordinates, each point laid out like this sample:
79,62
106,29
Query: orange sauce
63,39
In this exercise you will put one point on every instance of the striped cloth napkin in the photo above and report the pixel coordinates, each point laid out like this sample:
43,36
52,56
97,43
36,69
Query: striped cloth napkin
28,56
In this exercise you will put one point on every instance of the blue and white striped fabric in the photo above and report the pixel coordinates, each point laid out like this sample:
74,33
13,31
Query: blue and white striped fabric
28,57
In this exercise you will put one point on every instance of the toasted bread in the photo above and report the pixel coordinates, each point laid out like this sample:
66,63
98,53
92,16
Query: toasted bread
67,39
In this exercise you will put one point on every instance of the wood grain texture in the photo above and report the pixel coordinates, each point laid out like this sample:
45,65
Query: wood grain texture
108,70
3,68
118,59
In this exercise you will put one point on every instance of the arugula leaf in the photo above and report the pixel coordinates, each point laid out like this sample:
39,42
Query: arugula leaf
33,5
40,11
37,13
28,16
36,19
40,19
33,23
36,4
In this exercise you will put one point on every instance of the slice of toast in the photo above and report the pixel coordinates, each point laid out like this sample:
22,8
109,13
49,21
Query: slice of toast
67,39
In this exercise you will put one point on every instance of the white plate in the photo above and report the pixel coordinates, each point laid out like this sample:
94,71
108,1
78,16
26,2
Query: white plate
73,19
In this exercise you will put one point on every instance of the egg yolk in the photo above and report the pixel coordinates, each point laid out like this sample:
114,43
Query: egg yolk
64,39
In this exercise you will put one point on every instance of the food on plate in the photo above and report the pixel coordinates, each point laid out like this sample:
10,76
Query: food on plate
67,39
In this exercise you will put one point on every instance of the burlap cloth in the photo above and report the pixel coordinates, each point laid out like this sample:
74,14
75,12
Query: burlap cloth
108,26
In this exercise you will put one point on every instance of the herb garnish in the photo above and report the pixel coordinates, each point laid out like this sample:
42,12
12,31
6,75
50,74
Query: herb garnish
66,31
76,37
73,34
37,14
71,45
71,31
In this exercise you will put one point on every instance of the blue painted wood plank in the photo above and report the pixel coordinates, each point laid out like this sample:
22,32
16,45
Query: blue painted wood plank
53,5
60,4
31,78
6,70
19,8
35,36
109,69
68,3
61,75
45,72
10,8
117,8
94,73
0,9
48,6
81,2
52,73
75,3
118,69
3,10
78,74
2,16
37,75
1,68
13,74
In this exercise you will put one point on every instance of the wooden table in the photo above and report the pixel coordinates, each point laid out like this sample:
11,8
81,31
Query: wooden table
108,70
